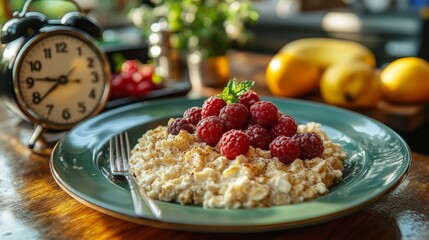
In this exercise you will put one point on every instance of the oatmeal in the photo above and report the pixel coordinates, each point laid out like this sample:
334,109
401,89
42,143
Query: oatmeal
185,169
236,151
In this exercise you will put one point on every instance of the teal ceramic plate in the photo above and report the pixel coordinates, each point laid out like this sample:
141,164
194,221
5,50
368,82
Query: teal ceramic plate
378,159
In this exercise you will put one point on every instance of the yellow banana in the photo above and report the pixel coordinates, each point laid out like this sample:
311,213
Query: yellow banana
352,85
326,51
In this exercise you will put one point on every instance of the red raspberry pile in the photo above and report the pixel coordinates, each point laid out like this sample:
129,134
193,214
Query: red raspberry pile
134,79
237,119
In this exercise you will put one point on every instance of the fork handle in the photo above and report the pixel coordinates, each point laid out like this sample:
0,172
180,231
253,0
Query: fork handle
138,196
137,200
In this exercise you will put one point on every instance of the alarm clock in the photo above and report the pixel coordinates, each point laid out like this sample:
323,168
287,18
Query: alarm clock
52,72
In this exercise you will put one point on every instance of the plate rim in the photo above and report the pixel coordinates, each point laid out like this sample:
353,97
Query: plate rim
225,228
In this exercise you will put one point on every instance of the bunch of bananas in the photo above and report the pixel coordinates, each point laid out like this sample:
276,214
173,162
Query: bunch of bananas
345,73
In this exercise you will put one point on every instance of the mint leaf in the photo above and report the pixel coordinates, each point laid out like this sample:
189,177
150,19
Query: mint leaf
243,87
233,90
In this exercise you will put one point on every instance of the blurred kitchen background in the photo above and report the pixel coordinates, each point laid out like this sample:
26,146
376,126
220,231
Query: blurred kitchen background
391,28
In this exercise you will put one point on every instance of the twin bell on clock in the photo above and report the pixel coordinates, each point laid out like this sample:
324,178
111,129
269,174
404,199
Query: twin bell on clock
52,71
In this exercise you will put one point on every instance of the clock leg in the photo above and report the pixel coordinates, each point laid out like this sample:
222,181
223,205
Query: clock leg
38,130
42,141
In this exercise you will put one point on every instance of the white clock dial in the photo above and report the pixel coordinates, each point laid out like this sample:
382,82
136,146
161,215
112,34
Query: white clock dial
61,79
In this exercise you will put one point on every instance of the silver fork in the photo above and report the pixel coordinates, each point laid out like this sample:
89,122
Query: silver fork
119,154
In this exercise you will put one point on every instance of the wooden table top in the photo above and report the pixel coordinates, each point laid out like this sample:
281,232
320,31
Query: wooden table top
33,206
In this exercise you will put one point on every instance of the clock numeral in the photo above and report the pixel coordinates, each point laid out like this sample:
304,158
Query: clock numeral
30,82
82,107
47,52
61,47
66,114
79,51
94,77
90,62
92,93
36,97
49,107
35,65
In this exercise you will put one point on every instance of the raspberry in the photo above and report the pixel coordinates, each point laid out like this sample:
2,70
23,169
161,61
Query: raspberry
234,143
234,116
285,126
285,149
310,144
210,130
180,124
249,98
192,115
212,106
264,113
259,137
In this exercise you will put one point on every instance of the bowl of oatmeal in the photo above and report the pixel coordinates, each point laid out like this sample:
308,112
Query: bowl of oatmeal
376,161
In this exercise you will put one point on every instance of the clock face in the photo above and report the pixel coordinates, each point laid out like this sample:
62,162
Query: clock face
61,78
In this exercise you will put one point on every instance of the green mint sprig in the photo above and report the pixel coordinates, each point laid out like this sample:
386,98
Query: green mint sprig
233,90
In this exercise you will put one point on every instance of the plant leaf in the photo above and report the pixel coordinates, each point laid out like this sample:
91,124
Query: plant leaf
233,90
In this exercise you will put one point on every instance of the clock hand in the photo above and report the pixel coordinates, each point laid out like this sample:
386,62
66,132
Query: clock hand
70,71
74,80
61,80
50,90
48,79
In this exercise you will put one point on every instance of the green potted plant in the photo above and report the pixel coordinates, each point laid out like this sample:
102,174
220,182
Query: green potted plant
203,30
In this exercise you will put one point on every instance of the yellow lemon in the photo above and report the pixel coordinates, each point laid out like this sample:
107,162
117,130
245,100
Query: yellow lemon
351,85
290,76
406,80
